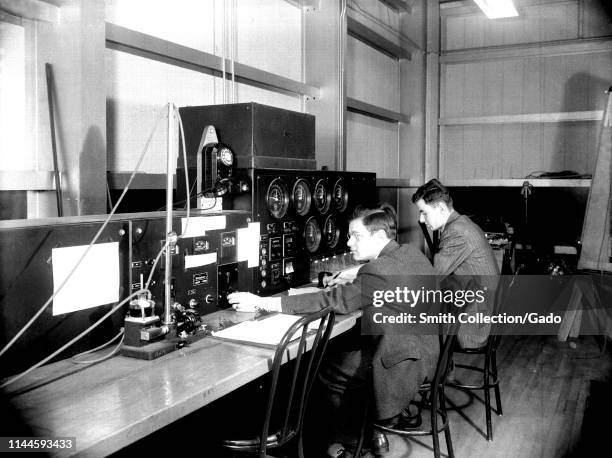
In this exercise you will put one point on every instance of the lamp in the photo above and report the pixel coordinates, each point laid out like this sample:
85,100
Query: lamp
495,9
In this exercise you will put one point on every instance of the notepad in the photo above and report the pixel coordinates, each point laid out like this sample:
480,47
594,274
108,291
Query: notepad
267,331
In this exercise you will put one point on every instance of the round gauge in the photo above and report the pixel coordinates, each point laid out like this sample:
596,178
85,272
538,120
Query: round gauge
225,156
277,198
301,197
322,198
340,195
312,235
331,232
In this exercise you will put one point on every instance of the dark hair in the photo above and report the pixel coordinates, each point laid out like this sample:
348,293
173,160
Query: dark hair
432,192
379,218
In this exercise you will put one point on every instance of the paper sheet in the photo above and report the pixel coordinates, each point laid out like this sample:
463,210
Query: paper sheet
267,331
95,282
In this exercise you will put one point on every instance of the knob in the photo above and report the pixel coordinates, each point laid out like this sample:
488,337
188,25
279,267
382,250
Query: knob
264,284
208,299
263,274
193,303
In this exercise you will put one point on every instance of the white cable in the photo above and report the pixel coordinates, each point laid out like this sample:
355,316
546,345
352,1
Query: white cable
233,50
75,359
93,326
125,189
154,265
187,190
223,45
105,357
88,330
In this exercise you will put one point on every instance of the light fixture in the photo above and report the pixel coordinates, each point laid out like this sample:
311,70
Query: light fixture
495,9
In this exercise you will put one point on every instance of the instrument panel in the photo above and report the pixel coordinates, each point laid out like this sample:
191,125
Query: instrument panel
303,216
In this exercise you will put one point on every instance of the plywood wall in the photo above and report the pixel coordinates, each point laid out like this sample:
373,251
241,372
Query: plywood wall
477,84
267,35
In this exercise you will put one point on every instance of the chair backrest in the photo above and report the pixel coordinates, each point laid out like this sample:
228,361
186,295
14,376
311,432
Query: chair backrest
287,408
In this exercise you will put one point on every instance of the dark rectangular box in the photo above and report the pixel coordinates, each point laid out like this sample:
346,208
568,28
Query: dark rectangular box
260,136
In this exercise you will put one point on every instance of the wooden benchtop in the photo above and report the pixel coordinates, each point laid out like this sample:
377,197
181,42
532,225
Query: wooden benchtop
114,403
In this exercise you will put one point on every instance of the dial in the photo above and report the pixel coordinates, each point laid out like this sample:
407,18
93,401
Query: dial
301,197
277,198
225,156
322,197
331,232
340,195
312,235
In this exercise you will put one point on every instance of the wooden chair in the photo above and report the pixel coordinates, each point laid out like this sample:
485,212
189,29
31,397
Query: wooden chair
432,394
488,350
283,417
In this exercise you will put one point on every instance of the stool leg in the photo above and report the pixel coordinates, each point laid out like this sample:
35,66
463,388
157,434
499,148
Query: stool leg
449,443
300,445
487,396
434,429
497,392
447,434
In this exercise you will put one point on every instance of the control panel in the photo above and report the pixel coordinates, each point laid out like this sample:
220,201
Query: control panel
304,217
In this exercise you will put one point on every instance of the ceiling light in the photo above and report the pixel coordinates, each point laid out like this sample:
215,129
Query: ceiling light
495,9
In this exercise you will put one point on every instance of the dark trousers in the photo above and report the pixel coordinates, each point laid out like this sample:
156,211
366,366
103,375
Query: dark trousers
346,379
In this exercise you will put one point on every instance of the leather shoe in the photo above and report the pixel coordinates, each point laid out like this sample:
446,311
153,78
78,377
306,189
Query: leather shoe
340,451
409,422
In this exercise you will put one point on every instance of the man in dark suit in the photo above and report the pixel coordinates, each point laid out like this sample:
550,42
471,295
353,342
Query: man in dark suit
463,251
393,364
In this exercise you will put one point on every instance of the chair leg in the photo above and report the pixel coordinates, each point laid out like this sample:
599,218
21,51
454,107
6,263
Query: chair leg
447,434
497,392
487,396
300,445
434,429
449,443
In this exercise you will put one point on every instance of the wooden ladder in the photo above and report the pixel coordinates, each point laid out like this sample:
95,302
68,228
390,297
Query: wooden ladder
596,241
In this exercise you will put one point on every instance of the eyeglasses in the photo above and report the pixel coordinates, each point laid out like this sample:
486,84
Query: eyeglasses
357,235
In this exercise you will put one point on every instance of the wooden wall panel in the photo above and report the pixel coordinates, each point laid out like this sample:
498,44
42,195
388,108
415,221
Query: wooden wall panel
511,86
371,146
535,23
492,93
269,37
479,87
451,153
174,21
137,94
473,81
378,11
531,148
516,150
372,76
453,85
527,85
